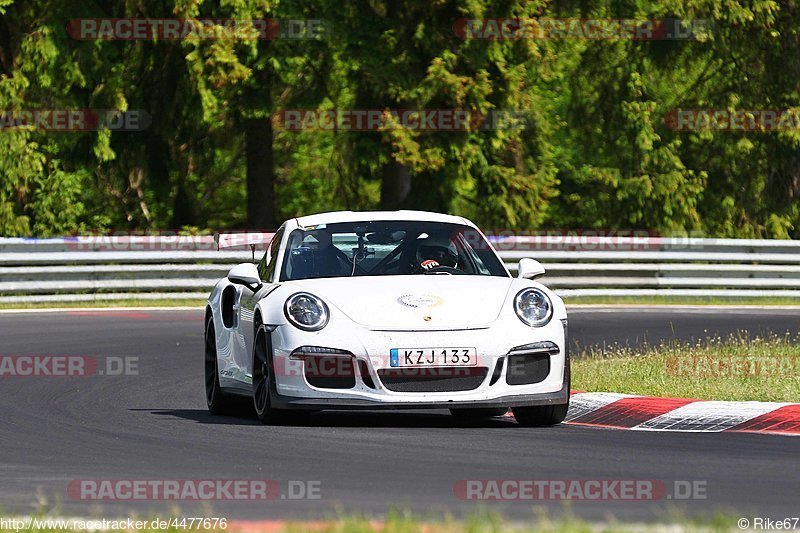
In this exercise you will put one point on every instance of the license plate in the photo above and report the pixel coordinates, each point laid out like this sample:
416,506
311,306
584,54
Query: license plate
422,357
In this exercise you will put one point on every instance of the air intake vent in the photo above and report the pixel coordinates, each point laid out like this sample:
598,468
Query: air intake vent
365,375
329,372
527,369
498,370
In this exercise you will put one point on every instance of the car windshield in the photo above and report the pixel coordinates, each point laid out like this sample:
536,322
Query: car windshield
388,248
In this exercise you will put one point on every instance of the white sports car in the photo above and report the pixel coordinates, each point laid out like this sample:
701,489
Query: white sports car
386,310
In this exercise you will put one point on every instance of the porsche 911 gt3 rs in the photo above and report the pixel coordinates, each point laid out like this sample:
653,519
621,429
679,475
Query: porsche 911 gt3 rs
386,310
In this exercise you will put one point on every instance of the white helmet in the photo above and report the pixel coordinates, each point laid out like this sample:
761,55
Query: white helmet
439,249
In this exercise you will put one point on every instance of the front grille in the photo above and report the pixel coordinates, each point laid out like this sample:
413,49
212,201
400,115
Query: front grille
330,372
437,379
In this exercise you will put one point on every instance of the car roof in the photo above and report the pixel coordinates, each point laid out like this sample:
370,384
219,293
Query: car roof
369,216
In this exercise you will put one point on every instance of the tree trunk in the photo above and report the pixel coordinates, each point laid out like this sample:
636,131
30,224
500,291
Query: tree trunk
184,210
395,185
260,173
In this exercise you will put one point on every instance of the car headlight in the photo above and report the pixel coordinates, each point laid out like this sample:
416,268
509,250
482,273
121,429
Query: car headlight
306,311
533,307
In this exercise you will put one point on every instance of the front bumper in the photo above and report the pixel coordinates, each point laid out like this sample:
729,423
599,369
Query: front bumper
549,398
370,351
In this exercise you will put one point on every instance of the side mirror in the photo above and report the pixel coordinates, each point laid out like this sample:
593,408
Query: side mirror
245,274
529,269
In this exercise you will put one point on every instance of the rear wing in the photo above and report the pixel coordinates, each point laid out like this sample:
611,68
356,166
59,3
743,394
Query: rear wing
244,240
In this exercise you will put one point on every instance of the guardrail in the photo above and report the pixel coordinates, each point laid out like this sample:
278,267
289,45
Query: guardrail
89,269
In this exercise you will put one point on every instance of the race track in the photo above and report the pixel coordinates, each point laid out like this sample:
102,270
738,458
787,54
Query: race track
154,425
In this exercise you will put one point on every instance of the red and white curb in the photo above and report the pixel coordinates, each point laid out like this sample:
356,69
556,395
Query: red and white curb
645,413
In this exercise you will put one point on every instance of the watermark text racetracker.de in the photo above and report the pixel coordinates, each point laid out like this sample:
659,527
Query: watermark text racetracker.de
74,120
181,29
579,489
732,367
193,489
733,120
70,366
633,240
586,28
418,120
167,240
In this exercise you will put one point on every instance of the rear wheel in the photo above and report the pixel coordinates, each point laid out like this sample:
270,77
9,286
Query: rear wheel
217,401
262,380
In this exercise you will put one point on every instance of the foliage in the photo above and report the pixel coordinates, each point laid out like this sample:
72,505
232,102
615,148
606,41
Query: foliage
595,150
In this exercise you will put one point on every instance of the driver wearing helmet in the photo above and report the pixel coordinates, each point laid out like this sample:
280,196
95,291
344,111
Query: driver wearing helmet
436,251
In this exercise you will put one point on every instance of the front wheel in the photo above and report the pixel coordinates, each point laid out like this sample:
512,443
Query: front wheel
217,401
476,414
545,415
541,415
262,379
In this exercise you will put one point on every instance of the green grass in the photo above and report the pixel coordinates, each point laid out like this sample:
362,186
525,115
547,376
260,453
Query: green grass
492,523
107,303
402,522
678,300
738,369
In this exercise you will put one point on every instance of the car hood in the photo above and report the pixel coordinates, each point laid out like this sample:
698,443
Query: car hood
412,303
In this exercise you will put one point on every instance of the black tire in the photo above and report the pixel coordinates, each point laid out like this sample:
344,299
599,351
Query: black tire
541,415
263,380
217,401
545,415
475,414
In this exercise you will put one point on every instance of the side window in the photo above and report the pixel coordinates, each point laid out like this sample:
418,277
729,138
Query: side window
471,257
262,266
266,268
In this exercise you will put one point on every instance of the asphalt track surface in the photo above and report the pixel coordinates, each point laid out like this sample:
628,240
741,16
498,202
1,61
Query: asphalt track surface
154,425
